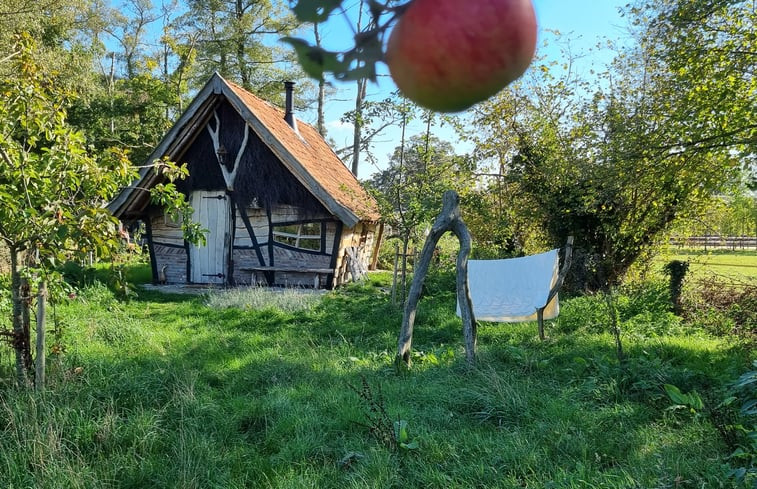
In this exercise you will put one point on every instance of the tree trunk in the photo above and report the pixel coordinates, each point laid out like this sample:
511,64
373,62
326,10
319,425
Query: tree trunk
26,304
394,275
240,41
20,341
357,135
39,373
403,275
448,220
362,84
321,124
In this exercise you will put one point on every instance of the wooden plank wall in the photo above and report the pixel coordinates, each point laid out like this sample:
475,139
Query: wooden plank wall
245,257
168,241
170,251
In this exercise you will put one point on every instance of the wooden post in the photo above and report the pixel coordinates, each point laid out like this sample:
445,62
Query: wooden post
394,275
540,321
566,262
39,374
448,220
26,303
403,276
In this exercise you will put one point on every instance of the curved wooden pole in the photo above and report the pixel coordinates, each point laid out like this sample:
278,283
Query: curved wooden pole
448,220
566,262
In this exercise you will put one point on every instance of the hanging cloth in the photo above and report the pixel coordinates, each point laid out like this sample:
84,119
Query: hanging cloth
511,290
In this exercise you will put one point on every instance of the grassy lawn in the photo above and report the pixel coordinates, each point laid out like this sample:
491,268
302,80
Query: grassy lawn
168,391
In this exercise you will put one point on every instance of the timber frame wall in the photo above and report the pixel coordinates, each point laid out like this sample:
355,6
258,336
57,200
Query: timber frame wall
254,245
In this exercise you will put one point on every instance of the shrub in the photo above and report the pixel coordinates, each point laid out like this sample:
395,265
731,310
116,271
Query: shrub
744,459
588,313
77,275
643,297
722,307
652,324
643,308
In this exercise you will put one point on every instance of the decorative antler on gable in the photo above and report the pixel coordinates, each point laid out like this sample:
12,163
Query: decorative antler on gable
228,177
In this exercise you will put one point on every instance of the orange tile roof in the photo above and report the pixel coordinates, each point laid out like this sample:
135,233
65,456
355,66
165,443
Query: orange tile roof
314,154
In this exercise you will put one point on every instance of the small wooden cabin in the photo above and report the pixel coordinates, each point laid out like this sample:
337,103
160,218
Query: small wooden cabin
279,205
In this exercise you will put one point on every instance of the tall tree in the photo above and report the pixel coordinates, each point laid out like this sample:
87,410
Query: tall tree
321,99
703,53
238,41
141,80
56,26
615,171
420,171
53,187
53,190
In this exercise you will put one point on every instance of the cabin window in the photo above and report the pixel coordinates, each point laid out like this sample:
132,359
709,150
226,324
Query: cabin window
306,236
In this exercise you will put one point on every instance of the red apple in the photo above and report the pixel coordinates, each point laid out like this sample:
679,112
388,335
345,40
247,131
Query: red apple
446,55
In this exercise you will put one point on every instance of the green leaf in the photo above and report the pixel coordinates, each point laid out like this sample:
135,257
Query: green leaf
313,59
400,431
695,401
675,394
692,400
315,10
413,445
749,408
363,72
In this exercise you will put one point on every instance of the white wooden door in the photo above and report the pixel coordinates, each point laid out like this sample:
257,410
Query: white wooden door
212,211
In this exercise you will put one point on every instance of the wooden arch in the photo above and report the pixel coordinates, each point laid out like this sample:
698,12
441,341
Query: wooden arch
448,220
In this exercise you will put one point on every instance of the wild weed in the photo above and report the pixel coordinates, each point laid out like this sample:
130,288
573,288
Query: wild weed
392,433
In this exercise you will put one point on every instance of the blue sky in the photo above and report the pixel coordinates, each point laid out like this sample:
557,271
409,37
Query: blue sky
585,22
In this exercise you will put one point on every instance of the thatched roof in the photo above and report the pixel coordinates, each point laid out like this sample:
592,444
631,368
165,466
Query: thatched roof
304,153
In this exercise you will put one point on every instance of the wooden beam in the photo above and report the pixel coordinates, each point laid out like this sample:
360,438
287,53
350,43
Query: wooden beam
335,254
151,248
250,229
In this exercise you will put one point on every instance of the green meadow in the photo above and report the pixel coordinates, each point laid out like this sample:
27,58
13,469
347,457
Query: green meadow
739,265
253,388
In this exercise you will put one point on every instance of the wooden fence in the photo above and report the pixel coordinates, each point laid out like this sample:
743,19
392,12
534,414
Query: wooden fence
723,242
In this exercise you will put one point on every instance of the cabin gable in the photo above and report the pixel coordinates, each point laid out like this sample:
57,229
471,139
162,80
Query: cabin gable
268,218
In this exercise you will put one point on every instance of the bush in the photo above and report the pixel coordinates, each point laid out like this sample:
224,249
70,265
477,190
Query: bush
78,275
722,307
637,298
643,309
651,324
584,313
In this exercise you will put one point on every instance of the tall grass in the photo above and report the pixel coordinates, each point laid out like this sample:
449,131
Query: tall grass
173,391
284,299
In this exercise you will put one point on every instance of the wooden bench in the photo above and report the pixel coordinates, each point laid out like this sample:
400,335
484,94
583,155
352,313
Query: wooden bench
290,269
